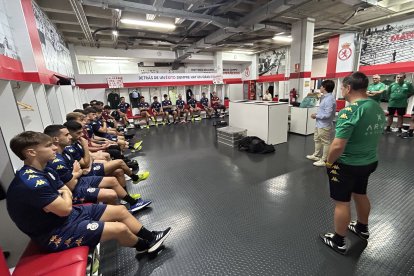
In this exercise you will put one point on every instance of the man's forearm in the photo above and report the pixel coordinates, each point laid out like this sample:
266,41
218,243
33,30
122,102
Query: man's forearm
335,152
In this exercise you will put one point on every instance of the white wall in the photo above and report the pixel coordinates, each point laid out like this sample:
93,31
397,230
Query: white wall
52,99
319,67
11,124
40,94
235,92
68,97
24,93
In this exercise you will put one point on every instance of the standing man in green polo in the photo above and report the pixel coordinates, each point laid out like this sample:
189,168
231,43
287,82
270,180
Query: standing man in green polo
376,88
351,160
398,94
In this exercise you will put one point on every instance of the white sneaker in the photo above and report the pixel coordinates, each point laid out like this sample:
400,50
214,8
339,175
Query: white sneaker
319,163
312,157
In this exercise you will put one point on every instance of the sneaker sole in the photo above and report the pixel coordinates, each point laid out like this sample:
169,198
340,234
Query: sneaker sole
140,207
159,243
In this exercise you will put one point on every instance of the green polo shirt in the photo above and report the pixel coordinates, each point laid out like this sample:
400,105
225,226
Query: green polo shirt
362,124
376,87
398,94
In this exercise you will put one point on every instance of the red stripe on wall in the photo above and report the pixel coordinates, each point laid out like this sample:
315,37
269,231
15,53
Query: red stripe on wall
269,78
390,68
332,56
300,75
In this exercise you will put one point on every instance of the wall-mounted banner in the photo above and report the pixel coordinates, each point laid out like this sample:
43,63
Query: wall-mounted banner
177,77
247,73
7,46
272,62
346,53
389,43
55,52
115,82
218,79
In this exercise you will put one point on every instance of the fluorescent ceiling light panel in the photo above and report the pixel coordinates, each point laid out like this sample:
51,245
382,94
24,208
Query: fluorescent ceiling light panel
111,61
281,38
110,58
150,16
148,24
246,52
189,7
179,20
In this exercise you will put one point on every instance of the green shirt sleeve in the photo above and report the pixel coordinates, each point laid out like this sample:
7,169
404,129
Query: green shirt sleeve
346,123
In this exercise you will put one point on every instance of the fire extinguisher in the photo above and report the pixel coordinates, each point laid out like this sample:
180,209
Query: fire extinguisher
293,95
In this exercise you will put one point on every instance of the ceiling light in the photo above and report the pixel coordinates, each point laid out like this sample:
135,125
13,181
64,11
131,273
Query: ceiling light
110,58
148,24
246,52
280,33
281,38
115,32
150,16
111,61
179,20
189,7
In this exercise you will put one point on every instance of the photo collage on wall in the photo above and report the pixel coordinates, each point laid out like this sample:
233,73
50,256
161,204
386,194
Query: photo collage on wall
272,62
7,46
55,52
389,43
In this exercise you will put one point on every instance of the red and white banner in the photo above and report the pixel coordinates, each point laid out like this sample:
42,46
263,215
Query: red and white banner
115,82
346,53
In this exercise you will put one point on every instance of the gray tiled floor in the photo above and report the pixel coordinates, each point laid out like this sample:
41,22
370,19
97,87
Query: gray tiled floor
234,213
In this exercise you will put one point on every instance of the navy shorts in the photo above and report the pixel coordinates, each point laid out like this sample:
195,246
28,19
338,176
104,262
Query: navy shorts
97,169
347,179
169,111
82,228
87,189
111,137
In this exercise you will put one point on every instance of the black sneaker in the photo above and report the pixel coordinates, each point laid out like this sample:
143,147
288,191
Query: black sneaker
353,229
388,130
159,238
327,239
407,135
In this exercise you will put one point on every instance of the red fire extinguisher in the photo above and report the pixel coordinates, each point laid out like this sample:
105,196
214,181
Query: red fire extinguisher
293,95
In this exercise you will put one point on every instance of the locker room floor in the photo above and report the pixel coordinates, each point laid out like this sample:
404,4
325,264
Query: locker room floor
234,213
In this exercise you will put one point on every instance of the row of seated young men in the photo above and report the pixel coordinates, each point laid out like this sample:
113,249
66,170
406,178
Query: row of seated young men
69,165
183,112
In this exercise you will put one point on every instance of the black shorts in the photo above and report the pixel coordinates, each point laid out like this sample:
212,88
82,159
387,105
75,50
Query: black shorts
400,111
347,179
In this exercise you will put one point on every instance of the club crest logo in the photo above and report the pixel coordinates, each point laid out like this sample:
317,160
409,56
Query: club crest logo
345,52
92,226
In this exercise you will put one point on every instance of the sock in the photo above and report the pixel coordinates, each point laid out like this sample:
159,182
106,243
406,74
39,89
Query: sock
141,245
410,131
339,240
399,129
145,234
388,127
361,227
130,200
134,177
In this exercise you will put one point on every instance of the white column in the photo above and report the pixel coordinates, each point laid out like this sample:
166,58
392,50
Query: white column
301,56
